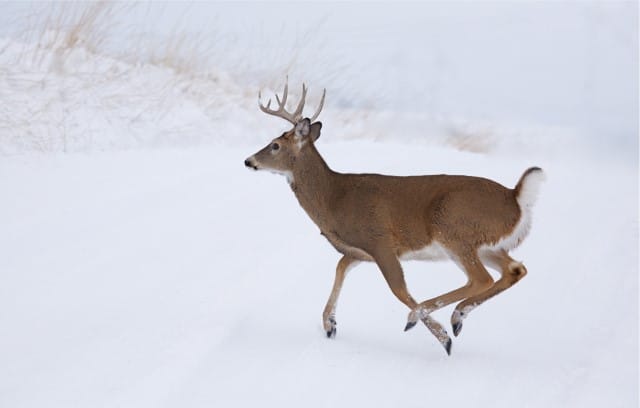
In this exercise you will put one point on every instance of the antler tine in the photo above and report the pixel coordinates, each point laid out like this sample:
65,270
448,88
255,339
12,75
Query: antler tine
280,112
262,107
285,93
298,112
292,117
315,115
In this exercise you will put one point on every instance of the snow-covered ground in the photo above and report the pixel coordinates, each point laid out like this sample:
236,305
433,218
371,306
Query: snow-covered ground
147,267
178,278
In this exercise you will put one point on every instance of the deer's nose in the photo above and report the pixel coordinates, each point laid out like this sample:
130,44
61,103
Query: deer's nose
250,163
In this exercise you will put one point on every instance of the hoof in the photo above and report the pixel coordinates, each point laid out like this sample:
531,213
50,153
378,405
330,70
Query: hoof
456,321
447,346
331,331
457,327
331,334
409,326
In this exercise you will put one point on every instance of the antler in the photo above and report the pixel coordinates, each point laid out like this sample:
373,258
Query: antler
295,116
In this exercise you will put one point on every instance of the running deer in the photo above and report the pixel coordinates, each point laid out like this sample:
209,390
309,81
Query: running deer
473,221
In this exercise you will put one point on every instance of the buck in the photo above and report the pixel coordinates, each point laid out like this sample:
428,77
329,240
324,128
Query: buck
473,221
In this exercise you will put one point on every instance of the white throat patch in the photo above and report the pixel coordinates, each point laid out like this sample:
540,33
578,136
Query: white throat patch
288,175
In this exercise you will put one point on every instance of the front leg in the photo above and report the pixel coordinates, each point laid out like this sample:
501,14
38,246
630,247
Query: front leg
329,314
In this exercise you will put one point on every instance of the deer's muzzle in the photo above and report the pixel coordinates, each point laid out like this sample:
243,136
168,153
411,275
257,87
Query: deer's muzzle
251,163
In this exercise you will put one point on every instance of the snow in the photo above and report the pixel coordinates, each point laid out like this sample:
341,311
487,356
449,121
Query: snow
143,265
176,277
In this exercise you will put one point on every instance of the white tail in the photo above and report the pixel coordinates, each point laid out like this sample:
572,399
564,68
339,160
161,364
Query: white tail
528,187
383,219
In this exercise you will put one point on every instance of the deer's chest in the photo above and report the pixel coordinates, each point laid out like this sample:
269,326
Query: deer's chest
345,248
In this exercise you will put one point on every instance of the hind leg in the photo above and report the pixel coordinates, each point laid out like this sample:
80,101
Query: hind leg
512,271
478,280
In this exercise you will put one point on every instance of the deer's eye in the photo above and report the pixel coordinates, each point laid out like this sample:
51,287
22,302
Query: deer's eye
275,146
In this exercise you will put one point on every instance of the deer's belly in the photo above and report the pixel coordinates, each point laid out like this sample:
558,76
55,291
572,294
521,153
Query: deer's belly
432,252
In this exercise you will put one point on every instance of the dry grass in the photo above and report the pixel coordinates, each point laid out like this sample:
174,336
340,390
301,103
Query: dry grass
187,54
95,26
86,26
62,27
75,60
51,80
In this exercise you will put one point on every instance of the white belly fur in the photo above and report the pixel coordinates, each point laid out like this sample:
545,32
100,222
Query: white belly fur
431,252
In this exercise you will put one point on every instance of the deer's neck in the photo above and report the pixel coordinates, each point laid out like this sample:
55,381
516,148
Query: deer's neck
314,184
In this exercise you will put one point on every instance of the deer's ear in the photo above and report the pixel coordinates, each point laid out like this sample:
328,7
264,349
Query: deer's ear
302,128
314,132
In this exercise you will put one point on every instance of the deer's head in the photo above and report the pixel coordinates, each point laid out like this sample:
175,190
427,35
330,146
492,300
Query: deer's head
280,155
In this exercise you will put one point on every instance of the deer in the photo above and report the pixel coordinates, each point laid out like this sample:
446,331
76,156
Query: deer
385,219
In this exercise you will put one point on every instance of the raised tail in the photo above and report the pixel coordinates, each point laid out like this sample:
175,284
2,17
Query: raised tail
528,186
